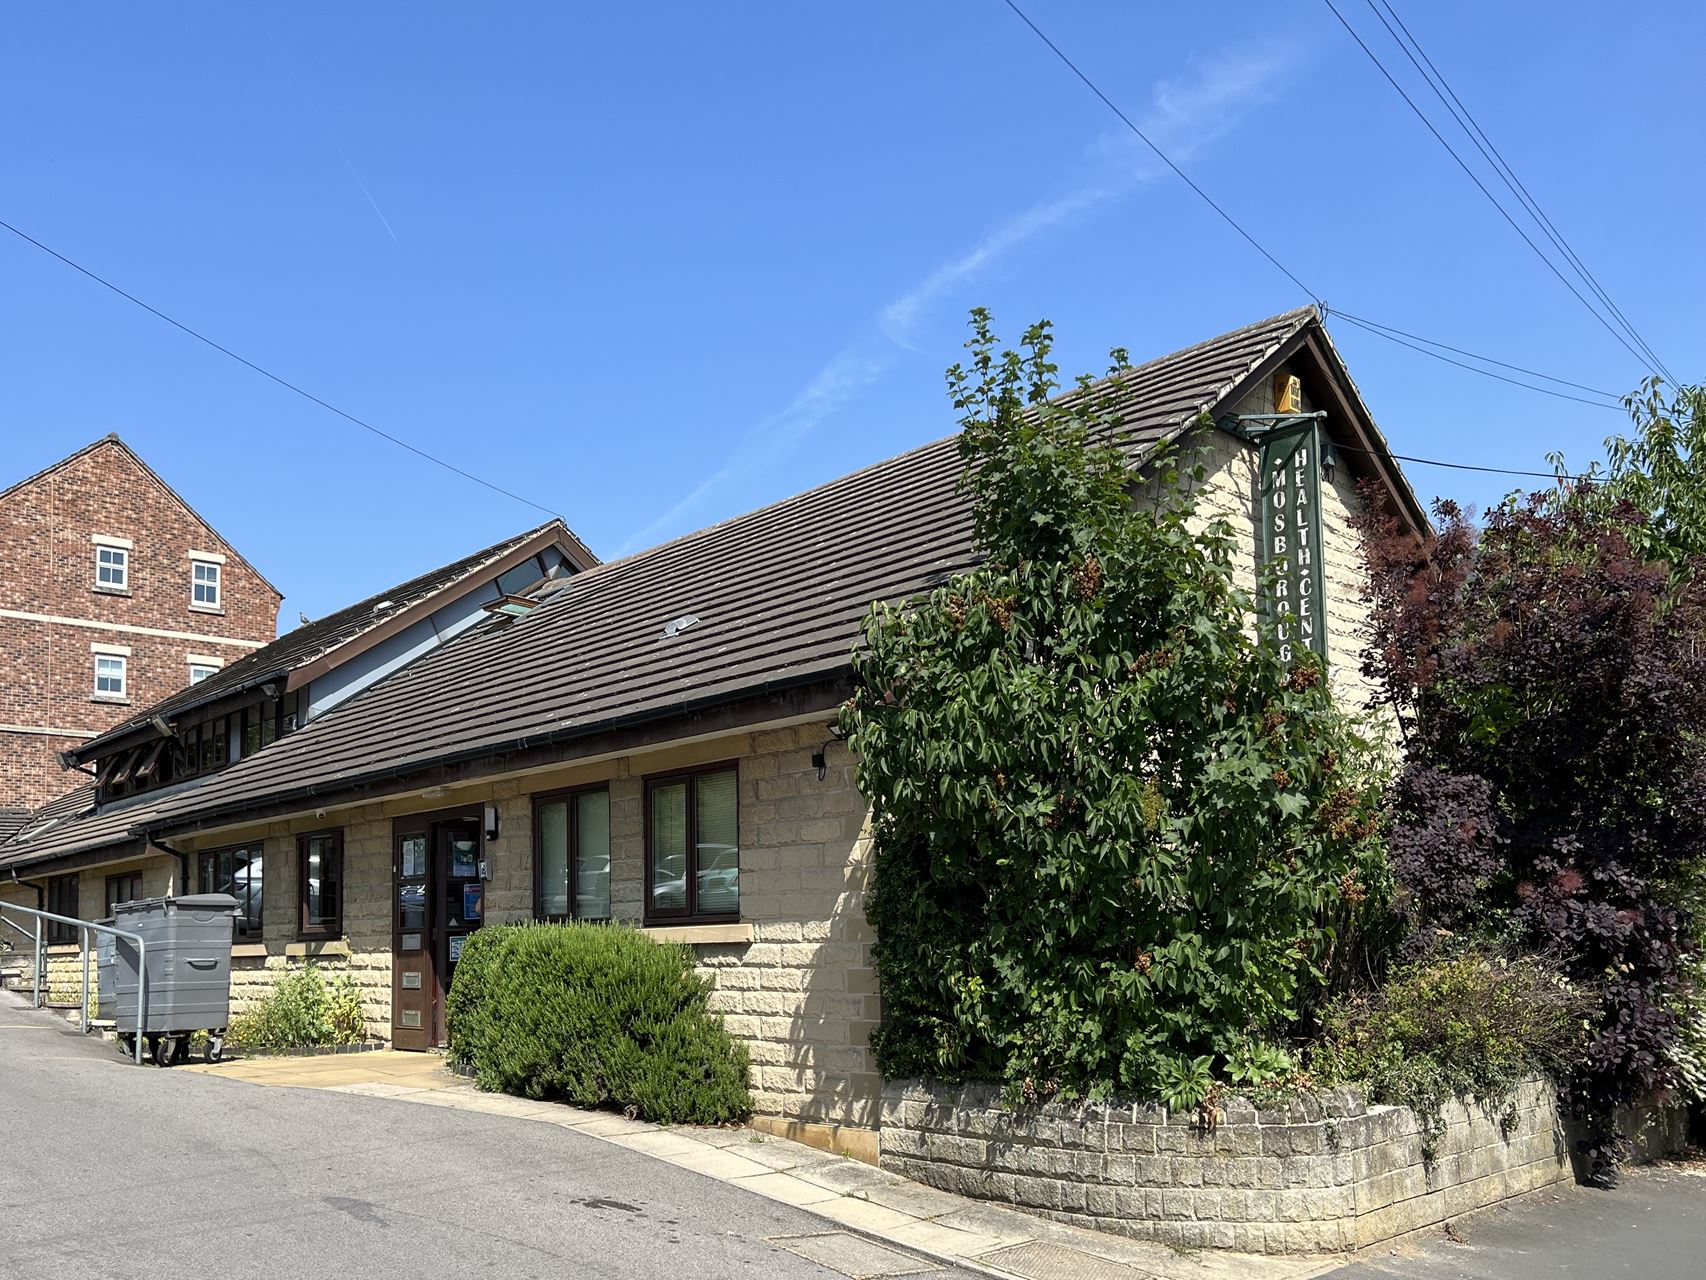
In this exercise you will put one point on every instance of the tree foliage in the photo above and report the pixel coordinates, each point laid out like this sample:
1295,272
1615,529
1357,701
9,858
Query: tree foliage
1114,832
1553,687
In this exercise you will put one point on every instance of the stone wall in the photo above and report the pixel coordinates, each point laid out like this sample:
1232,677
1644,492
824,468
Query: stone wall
1323,1173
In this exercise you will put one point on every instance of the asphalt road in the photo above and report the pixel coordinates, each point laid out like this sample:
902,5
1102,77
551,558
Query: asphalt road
1652,1226
114,1170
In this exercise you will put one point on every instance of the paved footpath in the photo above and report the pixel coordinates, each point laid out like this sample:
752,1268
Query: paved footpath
884,1210
374,1164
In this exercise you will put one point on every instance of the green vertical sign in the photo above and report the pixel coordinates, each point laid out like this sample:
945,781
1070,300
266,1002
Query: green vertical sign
1289,517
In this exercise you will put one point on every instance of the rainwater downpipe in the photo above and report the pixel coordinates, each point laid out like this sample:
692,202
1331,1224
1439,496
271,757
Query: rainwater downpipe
183,883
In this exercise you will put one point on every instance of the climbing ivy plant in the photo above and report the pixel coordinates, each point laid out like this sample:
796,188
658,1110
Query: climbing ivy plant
1113,831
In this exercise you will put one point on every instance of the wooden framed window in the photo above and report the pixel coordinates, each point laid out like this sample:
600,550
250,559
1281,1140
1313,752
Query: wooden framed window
320,884
571,854
62,901
236,871
693,845
124,887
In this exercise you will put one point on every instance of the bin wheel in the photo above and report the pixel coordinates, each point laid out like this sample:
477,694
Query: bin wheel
165,1050
127,1045
214,1049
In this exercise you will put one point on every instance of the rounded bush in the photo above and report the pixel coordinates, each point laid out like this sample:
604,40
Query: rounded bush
595,1015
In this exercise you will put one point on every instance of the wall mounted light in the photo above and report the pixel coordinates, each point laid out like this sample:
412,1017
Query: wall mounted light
820,757
491,822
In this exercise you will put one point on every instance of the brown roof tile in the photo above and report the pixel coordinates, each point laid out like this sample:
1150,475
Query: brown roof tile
778,596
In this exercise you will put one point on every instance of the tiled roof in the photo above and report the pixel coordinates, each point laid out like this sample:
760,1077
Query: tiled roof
312,640
777,597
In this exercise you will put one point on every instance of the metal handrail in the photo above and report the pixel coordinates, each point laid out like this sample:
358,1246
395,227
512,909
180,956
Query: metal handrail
85,927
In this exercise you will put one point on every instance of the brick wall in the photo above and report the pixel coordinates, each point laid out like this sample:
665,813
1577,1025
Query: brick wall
48,571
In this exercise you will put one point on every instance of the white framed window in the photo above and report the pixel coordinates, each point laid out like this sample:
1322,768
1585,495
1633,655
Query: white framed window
110,675
200,672
112,568
204,585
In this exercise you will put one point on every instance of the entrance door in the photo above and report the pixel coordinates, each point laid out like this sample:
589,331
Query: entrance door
438,900
461,906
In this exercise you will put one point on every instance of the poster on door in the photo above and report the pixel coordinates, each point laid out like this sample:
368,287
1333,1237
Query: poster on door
473,902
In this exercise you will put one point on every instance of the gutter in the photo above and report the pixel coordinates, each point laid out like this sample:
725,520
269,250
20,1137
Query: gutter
551,738
41,890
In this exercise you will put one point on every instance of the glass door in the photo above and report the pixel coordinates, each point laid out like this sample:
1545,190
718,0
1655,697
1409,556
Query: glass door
414,988
460,899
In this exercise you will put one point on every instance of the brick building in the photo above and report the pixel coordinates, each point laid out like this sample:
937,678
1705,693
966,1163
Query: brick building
114,593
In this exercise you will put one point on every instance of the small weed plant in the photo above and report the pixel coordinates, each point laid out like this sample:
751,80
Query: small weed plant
302,1011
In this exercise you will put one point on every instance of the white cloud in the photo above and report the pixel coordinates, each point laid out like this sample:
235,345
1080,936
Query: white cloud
1186,114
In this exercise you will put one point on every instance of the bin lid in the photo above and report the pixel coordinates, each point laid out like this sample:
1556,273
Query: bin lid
189,902
205,902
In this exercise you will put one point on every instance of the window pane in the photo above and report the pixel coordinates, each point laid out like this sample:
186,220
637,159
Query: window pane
669,847
323,875
718,851
246,876
592,856
554,858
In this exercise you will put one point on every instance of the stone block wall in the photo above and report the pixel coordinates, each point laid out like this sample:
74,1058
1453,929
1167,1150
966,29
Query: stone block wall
1328,1172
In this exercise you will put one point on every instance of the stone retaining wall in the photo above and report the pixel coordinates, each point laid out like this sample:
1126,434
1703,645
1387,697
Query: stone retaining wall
1327,1172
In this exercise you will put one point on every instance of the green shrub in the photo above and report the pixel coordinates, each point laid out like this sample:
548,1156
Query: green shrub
596,1016
302,1011
1120,837
1468,1026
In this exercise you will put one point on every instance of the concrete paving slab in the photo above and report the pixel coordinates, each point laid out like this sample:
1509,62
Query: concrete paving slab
787,1189
863,1215
719,1163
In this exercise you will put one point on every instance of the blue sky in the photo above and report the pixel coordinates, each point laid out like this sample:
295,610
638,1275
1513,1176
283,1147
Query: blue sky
653,266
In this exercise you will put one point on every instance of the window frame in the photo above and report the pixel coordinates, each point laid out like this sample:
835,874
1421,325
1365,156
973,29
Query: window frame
122,693
568,797
122,876
121,567
56,933
241,926
208,670
305,930
689,914
216,583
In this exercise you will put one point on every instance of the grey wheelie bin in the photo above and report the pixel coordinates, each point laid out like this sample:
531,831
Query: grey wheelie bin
106,971
188,949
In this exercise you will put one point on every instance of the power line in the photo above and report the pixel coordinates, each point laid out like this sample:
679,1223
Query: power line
1281,267
1380,331
1482,187
1465,466
1517,368
1160,154
268,374
1472,128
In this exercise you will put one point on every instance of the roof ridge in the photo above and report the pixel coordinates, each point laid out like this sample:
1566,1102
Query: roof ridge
1302,315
